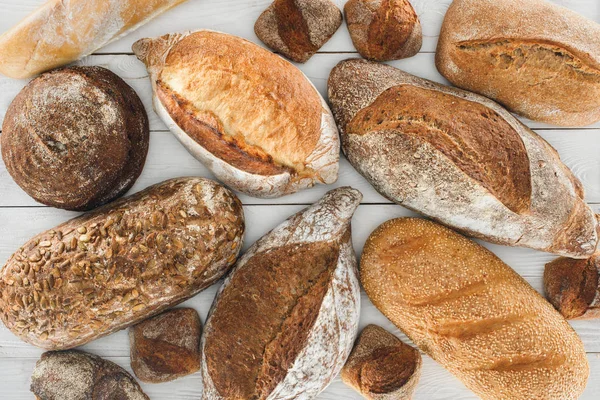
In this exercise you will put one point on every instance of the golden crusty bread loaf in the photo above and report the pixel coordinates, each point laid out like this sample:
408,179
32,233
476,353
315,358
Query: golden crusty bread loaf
250,116
60,32
472,313
538,59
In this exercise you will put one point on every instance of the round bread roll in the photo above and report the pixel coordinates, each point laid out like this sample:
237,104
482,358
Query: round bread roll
75,138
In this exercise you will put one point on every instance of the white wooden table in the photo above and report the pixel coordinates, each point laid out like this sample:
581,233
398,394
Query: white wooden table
21,217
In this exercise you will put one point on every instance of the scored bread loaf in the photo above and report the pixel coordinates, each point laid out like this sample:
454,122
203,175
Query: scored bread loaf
459,158
538,59
472,313
573,287
125,262
251,117
60,32
283,323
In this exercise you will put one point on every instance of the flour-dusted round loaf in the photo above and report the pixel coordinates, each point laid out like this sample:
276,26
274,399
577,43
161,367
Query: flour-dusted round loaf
251,117
121,264
459,158
472,313
535,57
75,138
284,321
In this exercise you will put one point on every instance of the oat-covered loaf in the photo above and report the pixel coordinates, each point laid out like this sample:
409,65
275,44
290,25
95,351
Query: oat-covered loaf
121,264
538,59
167,346
459,158
284,321
251,117
75,138
75,375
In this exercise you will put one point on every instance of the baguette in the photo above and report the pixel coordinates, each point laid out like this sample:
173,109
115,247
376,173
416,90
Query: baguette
538,59
460,159
60,32
472,313
125,262
251,117
283,323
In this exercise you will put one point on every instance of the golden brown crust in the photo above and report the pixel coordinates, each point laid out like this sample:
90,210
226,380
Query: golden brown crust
449,295
384,30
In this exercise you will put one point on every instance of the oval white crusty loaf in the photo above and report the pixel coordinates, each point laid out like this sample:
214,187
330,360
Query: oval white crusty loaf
536,58
125,262
284,321
251,117
459,158
472,313
60,32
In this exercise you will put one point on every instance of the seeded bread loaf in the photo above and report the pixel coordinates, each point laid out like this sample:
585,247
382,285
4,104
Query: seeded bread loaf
536,58
166,347
382,367
75,138
60,32
284,321
573,287
472,313
298,28
459,158
75,375
121,264
384,30
250,116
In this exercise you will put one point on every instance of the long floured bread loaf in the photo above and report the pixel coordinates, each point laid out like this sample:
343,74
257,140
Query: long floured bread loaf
60,32
251,117
459,158
119,265
472,313
284,321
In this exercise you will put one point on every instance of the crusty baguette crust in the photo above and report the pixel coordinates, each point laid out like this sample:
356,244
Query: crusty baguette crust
320,144
60,32
472,313
425,180
326,343
499,40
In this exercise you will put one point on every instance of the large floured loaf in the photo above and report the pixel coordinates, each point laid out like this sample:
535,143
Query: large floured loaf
125,262
60,32
251,117
536,58
284,321
472,313
459,158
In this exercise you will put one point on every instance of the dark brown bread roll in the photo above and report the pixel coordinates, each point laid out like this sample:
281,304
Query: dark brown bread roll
166,347
119,265
573,287
75,138
298,28
75,375
382,367
384,30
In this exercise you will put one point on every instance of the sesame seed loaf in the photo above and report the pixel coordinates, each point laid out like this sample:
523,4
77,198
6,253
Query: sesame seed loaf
538,59
125,262
472,313
284,321
459,158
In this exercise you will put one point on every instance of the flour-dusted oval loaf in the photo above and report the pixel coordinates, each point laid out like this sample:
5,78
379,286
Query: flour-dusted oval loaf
538,59
459,158
251,117
121,264
472,313
60,32
284,321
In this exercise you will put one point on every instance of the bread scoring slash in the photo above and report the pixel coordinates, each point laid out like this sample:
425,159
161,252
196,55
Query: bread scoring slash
284,321
251,117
